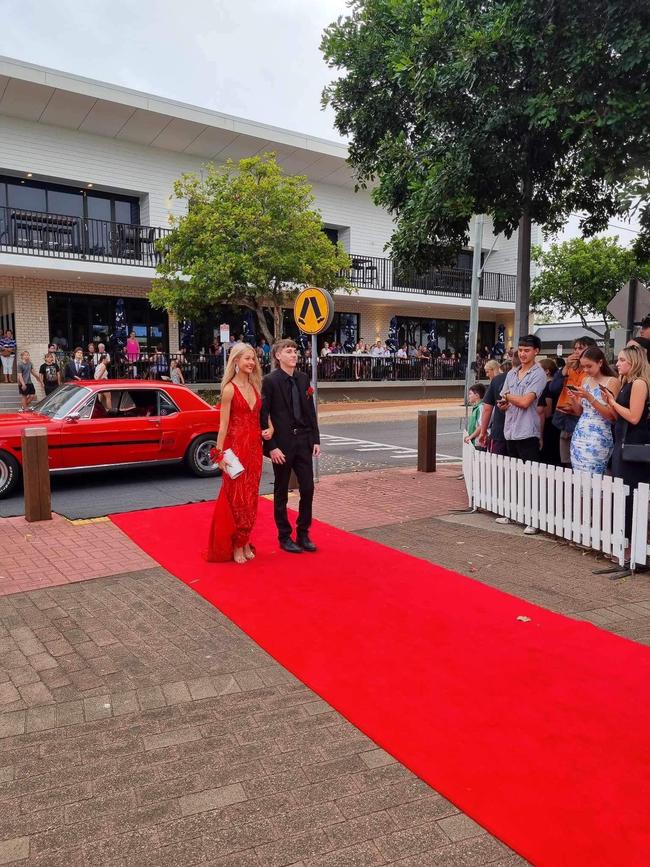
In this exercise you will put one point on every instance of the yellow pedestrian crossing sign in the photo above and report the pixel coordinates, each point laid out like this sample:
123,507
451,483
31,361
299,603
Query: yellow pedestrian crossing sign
313,310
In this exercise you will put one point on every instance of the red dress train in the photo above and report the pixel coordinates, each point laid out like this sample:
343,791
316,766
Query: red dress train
236,507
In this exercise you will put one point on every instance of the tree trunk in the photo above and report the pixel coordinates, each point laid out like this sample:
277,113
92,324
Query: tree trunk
277,322
264,328
522,303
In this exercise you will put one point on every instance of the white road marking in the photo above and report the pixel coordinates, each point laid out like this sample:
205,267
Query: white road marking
331,441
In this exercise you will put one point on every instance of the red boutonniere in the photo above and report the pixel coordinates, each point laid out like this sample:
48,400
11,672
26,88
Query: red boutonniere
309,391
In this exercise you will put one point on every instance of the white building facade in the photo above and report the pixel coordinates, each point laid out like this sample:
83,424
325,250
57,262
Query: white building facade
86,174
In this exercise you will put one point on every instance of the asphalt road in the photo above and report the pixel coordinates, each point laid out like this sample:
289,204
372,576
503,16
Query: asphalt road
347,447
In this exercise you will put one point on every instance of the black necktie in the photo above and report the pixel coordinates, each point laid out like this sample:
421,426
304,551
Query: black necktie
295,401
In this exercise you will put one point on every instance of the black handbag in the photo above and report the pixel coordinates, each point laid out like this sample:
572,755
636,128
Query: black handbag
638,453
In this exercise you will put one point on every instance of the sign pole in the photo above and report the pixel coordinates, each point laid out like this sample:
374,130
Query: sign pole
224,337
313,311
314,385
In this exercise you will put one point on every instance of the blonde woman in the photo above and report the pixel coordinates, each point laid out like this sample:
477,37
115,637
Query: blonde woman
631,406
239,429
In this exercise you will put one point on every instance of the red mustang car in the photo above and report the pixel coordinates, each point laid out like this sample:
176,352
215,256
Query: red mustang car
114,423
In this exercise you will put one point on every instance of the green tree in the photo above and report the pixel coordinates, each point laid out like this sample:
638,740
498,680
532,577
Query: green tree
579,278
250,237
526,110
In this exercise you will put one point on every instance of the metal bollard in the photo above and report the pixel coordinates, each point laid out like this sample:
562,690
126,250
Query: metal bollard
36,475
427,426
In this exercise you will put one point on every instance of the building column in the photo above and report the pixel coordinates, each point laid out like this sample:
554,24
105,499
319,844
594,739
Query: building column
172,326
32,323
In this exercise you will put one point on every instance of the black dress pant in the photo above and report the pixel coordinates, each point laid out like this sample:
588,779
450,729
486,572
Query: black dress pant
525,450
298,459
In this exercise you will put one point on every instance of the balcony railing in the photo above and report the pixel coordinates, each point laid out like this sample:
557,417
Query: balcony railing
64,237
375,272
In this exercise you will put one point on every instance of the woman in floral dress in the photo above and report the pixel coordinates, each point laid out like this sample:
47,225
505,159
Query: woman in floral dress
593,439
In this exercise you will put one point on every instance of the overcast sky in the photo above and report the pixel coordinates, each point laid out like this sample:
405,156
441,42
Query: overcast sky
257,59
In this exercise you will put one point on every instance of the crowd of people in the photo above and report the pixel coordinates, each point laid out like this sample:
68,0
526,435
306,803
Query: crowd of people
581,412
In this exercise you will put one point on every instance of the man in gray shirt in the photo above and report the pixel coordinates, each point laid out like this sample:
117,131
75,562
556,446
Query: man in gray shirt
519,396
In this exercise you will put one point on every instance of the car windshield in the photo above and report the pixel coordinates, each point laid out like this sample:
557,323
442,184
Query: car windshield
61,401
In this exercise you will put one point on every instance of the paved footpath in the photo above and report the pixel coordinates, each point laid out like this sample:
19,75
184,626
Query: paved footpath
138,726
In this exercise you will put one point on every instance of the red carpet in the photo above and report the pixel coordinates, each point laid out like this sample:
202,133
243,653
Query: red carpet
539,730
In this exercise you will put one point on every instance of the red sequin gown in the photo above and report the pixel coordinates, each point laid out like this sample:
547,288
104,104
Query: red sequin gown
236,507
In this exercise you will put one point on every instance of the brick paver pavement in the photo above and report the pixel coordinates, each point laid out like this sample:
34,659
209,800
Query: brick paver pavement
138,726
59,552
377,498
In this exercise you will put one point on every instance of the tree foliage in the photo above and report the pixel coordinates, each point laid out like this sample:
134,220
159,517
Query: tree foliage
580,277
512,108
250,238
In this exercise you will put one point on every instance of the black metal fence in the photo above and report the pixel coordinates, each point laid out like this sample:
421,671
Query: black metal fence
65,237
208,369
68,237
376,272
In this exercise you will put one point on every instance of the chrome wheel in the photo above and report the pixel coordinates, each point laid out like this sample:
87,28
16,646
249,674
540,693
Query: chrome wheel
202,456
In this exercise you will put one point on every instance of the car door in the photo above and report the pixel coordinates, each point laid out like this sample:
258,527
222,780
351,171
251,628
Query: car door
172,438
115,426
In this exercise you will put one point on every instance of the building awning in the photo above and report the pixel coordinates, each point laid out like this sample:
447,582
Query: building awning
48,96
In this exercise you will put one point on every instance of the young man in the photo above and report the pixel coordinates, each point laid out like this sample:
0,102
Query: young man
77,368
50,374
287,400
519,396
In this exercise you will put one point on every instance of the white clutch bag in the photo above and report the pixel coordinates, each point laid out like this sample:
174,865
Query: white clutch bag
234,466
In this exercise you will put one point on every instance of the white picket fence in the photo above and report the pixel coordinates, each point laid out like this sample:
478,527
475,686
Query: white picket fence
580,507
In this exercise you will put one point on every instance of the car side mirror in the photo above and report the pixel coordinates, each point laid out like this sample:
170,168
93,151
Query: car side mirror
73,417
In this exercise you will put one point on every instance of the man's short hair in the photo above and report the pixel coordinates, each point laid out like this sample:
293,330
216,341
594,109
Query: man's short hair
279,345
531,340
478,388
645,322
584,341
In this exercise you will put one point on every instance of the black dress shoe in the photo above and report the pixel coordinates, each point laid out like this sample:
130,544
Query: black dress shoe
306,544
290,547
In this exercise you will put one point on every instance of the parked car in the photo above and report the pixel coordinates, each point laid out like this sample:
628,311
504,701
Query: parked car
114,423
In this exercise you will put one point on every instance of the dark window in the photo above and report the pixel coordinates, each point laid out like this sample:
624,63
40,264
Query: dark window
344,330
98,208
451,333
166,405
70,204
49,198
123,212
26,197
332,234
76,320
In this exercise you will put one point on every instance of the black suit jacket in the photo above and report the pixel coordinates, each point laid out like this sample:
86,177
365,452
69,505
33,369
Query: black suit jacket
275,403
70,371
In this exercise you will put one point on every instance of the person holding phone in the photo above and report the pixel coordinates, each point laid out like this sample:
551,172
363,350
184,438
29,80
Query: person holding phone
632,412
565,417
593,440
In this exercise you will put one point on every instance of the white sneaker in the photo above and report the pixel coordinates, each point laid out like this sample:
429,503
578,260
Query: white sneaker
503,521
531,531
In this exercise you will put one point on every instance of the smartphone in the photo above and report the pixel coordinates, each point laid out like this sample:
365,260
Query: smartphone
571,388
608,390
